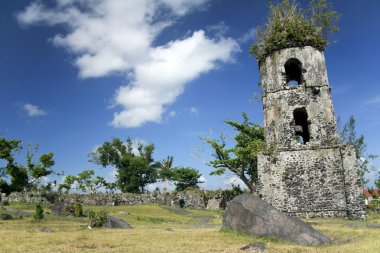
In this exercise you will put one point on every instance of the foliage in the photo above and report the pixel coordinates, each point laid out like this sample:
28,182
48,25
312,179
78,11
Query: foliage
23,176
377,183
78,209
134,171
185,178
241,159
374,205
348,136
229,194
165,171
4,187
39,214
97,219
85,182
289,25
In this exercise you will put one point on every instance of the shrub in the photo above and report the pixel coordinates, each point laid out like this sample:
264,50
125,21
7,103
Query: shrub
97,219
39,215
289,25
78,210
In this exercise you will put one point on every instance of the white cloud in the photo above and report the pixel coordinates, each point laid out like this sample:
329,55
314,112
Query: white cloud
172,113
193,110
113,36
220,30
33,110
234,180
203,179
249,36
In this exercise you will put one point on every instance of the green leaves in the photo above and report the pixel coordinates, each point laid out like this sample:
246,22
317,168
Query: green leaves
23,176
289,25
349,136
134,170
242,158
186,177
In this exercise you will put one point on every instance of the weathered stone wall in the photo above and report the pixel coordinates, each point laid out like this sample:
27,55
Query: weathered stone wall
313,178
311,183
28,197
280,100
195,199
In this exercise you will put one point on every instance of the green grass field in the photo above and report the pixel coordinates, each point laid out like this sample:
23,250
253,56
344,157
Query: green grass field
162,229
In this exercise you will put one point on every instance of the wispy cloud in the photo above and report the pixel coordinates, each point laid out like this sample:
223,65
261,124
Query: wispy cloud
194,110
249,36
373,101
172,113
33,110
113,36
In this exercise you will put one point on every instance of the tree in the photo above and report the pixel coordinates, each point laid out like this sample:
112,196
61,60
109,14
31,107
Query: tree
134,171
166,171
289,25
22,177
186,177
377,183
241,159
86,182
348,136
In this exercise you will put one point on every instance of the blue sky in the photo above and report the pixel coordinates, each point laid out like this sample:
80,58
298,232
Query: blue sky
73,75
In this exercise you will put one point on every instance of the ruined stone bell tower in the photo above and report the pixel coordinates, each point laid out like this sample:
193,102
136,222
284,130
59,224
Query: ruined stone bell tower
305,171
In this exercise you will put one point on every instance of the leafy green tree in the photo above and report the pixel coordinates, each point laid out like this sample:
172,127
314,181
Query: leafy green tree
85,181
166,171
241,159
23,177
186,177
134,171
289,25
42,168
349,136
377,183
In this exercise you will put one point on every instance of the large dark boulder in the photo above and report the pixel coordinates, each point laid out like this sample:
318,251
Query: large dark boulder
113,222
252,215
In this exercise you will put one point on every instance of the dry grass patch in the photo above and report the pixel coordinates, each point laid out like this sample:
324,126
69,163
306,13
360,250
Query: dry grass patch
160,229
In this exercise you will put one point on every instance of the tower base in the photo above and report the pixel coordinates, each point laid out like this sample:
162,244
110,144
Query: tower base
322,182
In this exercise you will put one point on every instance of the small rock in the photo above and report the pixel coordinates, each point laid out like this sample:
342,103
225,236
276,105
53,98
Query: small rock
124,212
254,247
46,230
5,216
169,229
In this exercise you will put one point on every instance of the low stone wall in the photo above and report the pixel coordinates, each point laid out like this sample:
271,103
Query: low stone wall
194,199
28,197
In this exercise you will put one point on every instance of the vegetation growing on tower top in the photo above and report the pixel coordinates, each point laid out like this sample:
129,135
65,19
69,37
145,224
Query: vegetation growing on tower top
289,25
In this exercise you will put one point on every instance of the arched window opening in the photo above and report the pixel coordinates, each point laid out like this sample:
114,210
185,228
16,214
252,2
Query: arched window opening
301,128
293,71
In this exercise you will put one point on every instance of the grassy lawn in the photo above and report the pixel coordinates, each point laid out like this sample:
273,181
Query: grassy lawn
162,229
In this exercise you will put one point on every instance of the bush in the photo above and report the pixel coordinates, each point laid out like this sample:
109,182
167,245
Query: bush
39,215
97,219
78,210
289,25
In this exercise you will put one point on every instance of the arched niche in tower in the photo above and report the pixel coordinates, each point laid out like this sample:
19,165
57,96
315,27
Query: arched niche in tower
301,125
293,71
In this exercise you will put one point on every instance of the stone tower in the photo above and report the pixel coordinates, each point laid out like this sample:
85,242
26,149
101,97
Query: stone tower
305,171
